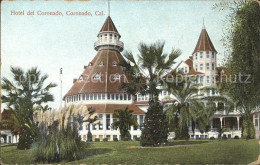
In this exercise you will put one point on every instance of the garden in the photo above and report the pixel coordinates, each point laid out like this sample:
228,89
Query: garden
231,151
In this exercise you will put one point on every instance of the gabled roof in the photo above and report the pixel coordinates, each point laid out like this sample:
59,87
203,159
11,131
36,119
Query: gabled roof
204,43
108,26
107,70
192,71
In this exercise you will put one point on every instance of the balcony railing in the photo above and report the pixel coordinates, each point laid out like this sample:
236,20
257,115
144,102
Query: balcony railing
115,43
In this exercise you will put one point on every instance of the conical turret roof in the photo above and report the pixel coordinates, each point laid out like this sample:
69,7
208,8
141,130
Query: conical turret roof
108,26
204,43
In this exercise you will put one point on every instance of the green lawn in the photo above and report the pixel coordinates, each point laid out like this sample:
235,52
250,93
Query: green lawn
214,152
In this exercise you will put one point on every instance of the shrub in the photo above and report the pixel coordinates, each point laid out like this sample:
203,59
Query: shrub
59,145
211,138
105,140
138,139
236,137
115,139
97,140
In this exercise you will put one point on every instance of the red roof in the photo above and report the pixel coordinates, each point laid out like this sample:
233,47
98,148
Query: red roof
204,42
110,108
105,64
108,26
192,71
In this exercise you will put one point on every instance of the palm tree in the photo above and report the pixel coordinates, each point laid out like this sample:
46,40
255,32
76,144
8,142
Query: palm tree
124,120
189,108
91,119
22,94
146,74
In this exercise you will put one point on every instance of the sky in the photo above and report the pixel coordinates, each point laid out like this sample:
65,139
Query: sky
54,42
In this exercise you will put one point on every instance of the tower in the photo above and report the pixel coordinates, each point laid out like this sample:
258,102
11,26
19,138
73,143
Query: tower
108,37
98,86
204,58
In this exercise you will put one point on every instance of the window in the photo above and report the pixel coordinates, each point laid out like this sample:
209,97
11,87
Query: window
100,124
100,63
108,96
116,77
213,79
99,96
201,55
113,96
110,38
196,56
114,63
95,96
135,127
207,54
87,96
213,92
79,97
91,96
108,121
97,76
196,67
186,69
207,79
83,96
105,37
117,96
121,96
141,121
125,96
80,126
201,66
207,66
94,127
129,96
213,55
103,96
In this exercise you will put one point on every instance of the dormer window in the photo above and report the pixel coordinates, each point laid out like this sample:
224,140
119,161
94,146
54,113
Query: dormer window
101,63
201,55
97,76
116,77
207,54
196,56
114,64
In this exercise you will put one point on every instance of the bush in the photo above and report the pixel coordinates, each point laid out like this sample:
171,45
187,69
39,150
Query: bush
97,140
59,145
115,139
105,140
138,139
211,138
224,138
236,137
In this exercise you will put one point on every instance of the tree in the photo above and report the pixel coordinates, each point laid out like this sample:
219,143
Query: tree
124,119
23,95
146,78
243,45
188,108
92,119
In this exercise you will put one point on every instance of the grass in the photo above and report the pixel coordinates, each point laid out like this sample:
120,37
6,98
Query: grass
204,152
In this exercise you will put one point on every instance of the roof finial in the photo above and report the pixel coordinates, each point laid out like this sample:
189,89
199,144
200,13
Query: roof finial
108,6
203,26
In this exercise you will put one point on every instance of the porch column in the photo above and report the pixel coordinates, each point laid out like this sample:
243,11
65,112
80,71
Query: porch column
238,123
216,104
211,124
221,122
